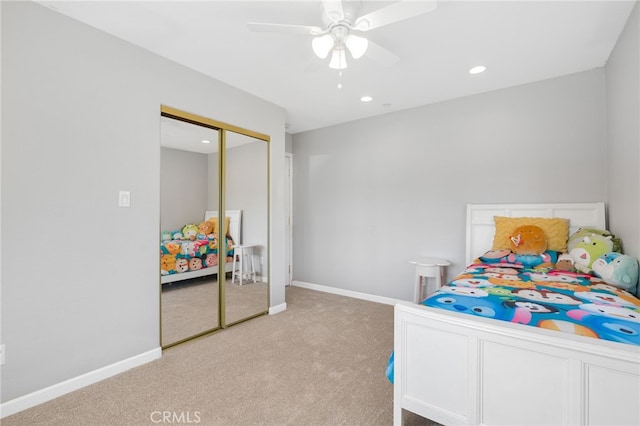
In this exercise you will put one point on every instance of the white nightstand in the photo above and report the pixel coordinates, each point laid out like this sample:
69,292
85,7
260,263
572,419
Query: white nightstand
428,267
244,272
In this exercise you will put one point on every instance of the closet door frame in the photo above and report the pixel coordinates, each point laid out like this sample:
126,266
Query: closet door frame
222,129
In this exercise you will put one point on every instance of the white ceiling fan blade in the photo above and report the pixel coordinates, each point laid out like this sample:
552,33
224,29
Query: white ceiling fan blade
284,28
333,10
381,55
393,13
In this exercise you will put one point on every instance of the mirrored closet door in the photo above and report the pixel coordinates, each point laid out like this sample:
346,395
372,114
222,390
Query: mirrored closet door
246,188
214,225
188,262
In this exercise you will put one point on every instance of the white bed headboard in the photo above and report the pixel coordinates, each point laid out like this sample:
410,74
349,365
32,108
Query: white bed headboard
235,222
481,227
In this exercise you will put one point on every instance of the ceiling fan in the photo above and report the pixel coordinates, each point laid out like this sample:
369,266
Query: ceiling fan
341,20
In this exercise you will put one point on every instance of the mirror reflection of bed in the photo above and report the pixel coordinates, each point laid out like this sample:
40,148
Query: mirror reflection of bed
192,294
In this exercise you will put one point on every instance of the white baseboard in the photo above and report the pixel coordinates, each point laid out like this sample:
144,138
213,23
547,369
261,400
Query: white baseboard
277,309
348,293
43,395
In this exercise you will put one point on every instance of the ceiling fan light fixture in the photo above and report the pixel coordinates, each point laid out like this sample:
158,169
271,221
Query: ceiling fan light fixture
322,45
356,45
338,59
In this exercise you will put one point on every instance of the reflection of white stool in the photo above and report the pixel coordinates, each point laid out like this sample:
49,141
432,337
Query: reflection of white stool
428,267
240,253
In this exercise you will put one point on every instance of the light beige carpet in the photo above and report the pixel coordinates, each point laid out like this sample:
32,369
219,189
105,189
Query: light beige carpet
320,362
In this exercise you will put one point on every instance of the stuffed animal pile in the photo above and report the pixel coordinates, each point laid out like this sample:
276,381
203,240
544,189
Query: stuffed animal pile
205,230
590,251
598,252
192,247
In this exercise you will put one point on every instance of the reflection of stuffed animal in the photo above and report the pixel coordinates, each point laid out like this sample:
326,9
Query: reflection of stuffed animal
167,264
182,265
165,236
195,263
190,232
617,269
172,248
205,230
211,260
528,240
189,248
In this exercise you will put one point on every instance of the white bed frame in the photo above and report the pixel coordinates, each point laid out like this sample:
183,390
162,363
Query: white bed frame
235,227
456,369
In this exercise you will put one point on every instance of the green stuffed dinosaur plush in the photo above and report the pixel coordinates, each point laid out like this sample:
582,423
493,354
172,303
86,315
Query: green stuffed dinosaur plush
588,244
190,232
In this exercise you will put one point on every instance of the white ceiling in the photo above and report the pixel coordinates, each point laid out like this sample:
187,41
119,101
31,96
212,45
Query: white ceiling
518,41
185,136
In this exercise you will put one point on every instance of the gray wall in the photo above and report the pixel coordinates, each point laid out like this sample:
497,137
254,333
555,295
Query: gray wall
214,182
623,148
246,190
183,188
288,143
370,195
81,121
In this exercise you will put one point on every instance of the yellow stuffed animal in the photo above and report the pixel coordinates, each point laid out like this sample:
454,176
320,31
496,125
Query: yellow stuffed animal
528,240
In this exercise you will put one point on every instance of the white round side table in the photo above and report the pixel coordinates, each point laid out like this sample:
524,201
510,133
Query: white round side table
428,267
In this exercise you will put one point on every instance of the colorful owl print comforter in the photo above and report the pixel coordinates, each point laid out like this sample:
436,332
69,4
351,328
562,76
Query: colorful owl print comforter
543,297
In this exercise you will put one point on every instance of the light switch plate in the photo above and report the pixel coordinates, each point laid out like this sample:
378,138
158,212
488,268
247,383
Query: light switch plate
124,199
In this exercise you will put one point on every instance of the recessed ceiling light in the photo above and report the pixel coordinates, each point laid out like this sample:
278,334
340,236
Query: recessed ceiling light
366,99
477,70
206,141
